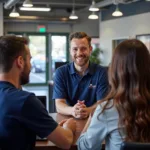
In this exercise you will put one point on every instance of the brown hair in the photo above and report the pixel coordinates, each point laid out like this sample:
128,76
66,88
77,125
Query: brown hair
10,48
80,35
129,79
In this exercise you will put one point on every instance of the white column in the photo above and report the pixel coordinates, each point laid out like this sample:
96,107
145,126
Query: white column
1,19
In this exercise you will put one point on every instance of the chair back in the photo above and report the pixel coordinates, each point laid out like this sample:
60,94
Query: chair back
135,146
43,100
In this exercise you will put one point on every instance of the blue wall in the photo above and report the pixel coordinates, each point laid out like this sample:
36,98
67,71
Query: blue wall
138,7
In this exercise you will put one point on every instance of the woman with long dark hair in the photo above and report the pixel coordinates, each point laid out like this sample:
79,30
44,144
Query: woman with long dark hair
124,115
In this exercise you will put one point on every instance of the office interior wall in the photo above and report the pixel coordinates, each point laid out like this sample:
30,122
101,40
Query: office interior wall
1,19
91,27
59,28
121,28
32,27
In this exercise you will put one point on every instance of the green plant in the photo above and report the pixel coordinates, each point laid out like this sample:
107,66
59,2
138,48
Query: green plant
95,56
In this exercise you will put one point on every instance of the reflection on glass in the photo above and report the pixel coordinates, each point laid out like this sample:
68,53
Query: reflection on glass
95,43
116,42
37,47
145,39
59,50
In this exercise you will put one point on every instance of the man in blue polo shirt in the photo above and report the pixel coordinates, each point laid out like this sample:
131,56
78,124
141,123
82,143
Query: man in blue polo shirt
80,84
22,115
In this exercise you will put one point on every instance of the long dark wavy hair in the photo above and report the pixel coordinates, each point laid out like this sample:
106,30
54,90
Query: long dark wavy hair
129,79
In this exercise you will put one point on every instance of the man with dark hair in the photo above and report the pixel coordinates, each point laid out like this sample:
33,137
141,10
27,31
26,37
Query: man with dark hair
80,84
22,115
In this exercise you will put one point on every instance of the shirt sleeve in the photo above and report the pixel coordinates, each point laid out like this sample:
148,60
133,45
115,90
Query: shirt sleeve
36,118
95,134
102,89
59,85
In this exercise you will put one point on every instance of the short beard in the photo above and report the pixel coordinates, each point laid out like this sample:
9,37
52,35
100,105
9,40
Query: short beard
24,79
84,63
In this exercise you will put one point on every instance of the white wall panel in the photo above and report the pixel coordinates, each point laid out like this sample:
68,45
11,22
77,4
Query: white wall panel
121,28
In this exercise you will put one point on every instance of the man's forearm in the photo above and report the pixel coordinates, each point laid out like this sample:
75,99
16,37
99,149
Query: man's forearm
65,136
63,108
92,108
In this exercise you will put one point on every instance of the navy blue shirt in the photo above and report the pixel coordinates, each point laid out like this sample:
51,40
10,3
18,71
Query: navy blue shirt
22,117
71,86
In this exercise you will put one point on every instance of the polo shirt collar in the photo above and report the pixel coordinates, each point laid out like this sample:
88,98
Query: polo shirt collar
6,84
72,68
90,69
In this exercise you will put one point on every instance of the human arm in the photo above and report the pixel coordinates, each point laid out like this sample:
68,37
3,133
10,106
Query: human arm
65,133
60,93
35,117
79,110
74,111
88,122
86,111
94,132
62,107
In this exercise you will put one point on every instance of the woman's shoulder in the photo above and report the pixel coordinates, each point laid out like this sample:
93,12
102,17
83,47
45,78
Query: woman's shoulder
107,110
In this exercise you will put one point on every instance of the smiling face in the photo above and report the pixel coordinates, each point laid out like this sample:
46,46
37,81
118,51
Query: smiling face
80,51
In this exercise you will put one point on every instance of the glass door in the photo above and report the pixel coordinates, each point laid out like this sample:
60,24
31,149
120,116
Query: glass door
46,56
37,47
59,52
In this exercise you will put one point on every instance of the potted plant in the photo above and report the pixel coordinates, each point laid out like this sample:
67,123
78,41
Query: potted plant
95,56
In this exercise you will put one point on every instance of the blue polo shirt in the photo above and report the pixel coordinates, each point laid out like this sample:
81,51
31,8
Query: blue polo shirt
71,86
22,117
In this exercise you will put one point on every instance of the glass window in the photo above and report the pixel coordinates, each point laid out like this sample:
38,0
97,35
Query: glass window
95,43
59,51
145,39
116,42
46,56
37,47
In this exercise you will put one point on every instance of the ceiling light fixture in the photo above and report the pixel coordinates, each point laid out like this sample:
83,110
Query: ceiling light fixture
27,3
14,13
35,8
73,15
93,7
117,12
93,16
